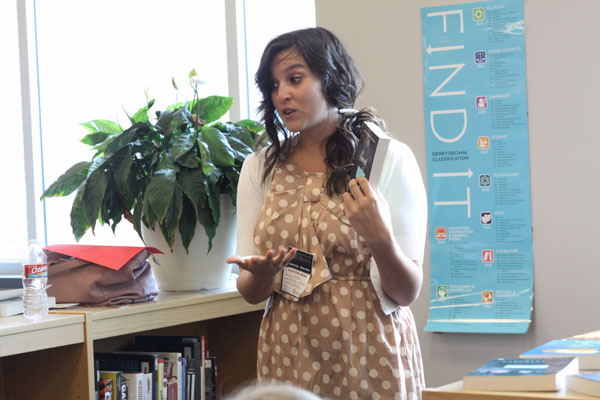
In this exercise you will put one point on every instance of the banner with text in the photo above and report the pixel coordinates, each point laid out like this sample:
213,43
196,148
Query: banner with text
477,167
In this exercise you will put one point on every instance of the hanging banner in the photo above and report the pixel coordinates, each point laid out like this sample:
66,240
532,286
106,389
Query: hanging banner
477,167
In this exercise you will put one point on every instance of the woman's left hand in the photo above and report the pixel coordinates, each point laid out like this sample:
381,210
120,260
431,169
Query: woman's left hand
368,211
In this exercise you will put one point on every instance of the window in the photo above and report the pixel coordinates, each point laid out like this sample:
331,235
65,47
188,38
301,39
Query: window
95,62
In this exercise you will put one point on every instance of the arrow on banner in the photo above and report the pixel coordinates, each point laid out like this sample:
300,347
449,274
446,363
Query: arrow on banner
469,173
446,48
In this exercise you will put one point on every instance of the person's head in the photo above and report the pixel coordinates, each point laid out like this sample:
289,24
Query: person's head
273,391
334,83
326,58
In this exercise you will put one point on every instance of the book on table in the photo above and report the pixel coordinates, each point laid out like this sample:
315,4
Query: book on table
586,350
587,335
522,374
372,147
585,382
14,306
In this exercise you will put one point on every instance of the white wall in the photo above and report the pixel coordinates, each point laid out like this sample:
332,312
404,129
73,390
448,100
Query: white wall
563,88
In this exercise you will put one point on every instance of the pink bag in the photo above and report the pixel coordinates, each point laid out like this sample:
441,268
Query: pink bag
74,280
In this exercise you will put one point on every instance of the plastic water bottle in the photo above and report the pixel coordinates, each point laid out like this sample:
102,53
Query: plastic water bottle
35,277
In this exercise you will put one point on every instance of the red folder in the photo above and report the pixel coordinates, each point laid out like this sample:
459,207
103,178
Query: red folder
113,257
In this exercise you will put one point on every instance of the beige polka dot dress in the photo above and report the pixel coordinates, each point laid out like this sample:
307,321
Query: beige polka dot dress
335,339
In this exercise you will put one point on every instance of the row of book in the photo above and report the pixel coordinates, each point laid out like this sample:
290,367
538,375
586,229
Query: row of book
158,368
572,363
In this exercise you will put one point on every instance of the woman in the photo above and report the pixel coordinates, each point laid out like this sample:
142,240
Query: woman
349,334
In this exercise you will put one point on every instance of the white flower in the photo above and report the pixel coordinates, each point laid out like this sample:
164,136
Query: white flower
195,81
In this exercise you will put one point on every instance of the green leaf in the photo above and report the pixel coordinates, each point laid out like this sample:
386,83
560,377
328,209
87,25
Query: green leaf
207,165
183,144
193,186
148,216
171,221
175,106
122,160
187,223
142,114
205,217
93,195
125,138
79,222
221,153
190,160
214,199
253,126
211,108
241,149
161,187
99,130
68,182
137,215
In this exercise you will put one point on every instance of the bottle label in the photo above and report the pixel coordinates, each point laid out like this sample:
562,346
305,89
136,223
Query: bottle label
35,270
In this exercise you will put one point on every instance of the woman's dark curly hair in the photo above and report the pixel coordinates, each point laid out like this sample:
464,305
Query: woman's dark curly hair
341,82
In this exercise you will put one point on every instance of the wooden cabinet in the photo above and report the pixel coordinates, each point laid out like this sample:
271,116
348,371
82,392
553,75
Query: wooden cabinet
53,358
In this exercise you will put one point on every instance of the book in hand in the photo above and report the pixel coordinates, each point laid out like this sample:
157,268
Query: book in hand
586,382
372,147
522,374
586,350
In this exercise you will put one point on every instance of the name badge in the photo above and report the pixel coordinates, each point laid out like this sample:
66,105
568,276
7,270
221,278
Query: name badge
297,273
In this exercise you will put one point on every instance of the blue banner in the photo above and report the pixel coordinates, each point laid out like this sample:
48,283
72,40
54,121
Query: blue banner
477,167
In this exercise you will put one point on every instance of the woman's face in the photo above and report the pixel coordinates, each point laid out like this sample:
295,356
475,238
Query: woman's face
298,96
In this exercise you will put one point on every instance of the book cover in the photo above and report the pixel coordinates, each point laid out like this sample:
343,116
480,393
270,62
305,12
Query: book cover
190,348
174,363
14,306
586,350
210,374
587,382
522,374
119,386
372,147
134,382
105,389
148,386
126,361
595,335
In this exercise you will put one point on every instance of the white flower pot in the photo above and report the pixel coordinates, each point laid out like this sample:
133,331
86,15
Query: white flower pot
180,271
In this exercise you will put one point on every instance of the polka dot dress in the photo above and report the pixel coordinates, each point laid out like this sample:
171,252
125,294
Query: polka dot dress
335,339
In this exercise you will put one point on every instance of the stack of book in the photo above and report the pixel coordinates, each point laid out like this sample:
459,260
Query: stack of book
11,302
158,368
552,366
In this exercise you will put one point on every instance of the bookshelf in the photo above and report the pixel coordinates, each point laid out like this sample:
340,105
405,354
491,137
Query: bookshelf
58,350
454,391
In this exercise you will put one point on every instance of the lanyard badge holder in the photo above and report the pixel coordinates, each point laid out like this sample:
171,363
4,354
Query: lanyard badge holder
297,273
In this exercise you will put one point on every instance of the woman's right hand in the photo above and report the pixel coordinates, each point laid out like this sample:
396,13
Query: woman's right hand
264,267
257,273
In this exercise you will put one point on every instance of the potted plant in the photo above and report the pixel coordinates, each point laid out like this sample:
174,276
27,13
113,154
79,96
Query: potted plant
170,174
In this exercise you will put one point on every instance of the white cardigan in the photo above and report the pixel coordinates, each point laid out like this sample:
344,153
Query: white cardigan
400,183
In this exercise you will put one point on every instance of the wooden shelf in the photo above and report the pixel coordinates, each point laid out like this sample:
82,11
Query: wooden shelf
454,391
169,309
59,349
19,335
